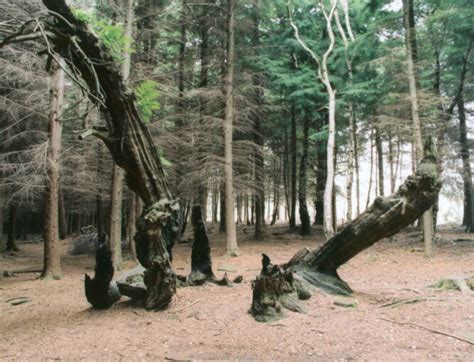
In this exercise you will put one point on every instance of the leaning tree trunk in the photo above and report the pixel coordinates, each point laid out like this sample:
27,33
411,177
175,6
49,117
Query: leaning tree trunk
130,144
278,287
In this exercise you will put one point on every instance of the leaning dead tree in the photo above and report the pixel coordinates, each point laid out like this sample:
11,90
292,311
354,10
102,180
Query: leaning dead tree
279,287
128,140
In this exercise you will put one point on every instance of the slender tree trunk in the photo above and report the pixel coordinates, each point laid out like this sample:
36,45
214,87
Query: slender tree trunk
293,168
371,172
215,199
52,252
276,189
321,174
115,230
350,164
328,189
118,173
286,173
391,163
62,216
410,37
239,208
98,198
246,210
232,248
258,131
331,146
378,145
11,231
303,208
222,222
466,169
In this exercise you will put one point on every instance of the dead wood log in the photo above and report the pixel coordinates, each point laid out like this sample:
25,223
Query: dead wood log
129,141
318,268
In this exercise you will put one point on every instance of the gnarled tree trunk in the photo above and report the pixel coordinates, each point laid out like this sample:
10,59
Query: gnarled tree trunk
130,144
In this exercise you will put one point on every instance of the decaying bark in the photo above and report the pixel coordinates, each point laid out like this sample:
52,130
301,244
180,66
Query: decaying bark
318,268
129,142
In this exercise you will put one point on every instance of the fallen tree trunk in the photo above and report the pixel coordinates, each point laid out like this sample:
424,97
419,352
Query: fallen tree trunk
318,268
128,140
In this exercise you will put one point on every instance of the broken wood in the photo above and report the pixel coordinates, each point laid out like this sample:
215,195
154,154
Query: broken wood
429,329
186,306
318,268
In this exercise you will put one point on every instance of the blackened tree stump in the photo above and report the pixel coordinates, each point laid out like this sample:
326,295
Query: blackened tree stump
100,292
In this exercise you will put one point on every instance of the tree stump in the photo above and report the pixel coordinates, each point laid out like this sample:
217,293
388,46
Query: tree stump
100,292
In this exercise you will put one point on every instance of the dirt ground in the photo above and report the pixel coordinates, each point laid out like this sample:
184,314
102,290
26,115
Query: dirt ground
212,322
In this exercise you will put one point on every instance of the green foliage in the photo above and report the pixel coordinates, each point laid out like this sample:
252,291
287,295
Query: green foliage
111,35
147,99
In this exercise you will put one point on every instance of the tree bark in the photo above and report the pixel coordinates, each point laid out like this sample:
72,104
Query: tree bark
286,168
410,37
115,232
130,144
276,189
303,208
391,163
11,231
321,174
98,198
371,172
350,164
52,252
293,168
232,248
378,146
259,182
280,287
222,212
62,216
466,167
118,174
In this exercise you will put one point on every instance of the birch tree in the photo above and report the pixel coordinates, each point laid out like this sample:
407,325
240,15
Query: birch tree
323,75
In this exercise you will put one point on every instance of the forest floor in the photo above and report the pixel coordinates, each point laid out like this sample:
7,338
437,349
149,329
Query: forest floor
212,322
